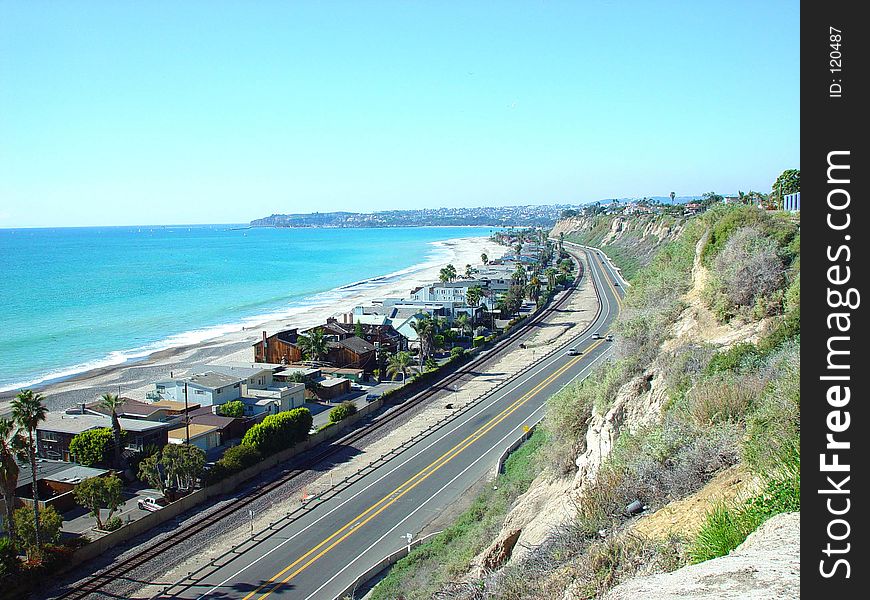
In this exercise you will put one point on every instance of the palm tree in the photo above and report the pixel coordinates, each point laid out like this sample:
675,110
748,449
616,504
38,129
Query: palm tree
400,362
463,323
12,449
425,330
27,412
314,345
484,258
550,274
673,195
111,403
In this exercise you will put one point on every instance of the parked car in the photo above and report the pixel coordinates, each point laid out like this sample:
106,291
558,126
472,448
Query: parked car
574,352
152,504
596,336
372,397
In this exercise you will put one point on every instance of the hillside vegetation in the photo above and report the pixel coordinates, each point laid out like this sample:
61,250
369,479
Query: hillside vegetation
669,413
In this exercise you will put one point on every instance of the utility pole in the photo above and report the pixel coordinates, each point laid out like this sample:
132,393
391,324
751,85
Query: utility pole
186,418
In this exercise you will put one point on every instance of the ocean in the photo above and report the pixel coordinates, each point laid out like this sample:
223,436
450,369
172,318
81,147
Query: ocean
75,299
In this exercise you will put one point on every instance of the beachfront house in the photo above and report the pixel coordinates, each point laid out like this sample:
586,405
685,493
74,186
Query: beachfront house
255,387
278,348
54,434
206,388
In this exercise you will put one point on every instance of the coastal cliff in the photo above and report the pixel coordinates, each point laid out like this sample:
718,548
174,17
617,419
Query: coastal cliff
630,240
693,424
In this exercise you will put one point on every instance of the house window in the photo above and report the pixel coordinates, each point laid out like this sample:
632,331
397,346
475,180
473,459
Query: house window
200,392
49,436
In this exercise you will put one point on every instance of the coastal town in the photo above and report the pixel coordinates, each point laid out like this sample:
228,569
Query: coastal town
107,462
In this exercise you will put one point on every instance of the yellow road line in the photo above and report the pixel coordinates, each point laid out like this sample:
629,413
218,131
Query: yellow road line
355,524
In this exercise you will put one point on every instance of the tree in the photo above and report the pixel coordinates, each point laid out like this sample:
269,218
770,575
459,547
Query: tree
425,329
550,274
234,408
519,249
566,266
710,198
484,258
151,472
13,448
568,213
42,525
176,464
183,464
89,447
473,296
463,323
469,271
400,362
111,403
97,493
314,345
358,329
519,276
27,412
789,182
511,302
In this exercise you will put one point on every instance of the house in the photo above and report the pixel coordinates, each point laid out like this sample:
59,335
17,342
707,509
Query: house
333,387
175,408
55,479
54,434
254,376
205,389
204,437
278,348
133,409
352,353
287,396
228,427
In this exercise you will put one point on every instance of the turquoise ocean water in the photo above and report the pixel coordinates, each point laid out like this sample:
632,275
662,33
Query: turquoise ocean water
74,299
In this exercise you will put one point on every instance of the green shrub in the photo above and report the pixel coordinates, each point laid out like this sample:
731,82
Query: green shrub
457,353
772,440
239,457
113,524
342,411
723,398
738,358
279,432
726,527
234,408
9,561
479,340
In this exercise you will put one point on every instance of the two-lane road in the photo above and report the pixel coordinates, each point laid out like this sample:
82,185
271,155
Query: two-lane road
341,536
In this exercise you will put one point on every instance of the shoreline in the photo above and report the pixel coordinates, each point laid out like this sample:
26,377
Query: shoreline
136,374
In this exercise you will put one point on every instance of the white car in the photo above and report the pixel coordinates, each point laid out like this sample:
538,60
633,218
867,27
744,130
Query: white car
152,504
573,352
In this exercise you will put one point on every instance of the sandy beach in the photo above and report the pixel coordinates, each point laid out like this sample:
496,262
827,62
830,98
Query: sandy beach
134,378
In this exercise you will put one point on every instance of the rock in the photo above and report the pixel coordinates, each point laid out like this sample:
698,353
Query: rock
500,552
764,567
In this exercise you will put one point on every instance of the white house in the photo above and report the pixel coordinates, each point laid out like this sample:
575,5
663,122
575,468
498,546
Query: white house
205,389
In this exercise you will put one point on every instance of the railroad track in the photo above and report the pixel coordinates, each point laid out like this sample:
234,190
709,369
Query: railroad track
117,570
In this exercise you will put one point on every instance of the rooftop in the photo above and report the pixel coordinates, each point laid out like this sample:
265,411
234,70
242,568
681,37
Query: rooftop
62,422
239,372
196,430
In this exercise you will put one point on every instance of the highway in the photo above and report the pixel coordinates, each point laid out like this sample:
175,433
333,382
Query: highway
342,536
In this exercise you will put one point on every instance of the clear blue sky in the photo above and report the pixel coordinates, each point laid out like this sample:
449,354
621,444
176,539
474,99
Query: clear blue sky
222,112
